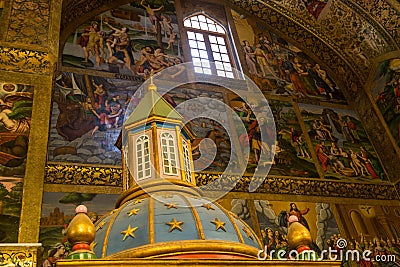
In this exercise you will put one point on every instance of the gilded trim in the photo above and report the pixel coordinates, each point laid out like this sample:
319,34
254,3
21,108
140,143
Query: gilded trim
151,220
196,216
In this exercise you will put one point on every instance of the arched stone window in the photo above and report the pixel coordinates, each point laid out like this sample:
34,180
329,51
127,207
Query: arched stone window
208,42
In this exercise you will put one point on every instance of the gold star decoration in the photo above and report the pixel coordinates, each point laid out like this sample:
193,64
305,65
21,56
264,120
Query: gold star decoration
100,226
218,224
137,201
129,232
174,224
208,206
248,233
170,206
133,212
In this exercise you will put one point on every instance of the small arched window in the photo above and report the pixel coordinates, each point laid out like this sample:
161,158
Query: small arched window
143,169
187,162
168,154
208,42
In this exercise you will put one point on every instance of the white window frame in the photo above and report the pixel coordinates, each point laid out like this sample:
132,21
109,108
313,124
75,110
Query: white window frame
141,161
187,162
168,154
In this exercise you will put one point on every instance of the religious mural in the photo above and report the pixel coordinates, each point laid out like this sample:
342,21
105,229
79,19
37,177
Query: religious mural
240,207
280,68
10,209
88,112
317,218
16,102
292,154
133,39
373,227
208,130
385,89
58,209
341,144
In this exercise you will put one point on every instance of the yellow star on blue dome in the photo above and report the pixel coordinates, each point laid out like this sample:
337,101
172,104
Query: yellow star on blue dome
174,224
133,212
219,224
129,232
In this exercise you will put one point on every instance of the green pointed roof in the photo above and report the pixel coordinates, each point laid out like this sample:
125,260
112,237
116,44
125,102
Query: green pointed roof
152,104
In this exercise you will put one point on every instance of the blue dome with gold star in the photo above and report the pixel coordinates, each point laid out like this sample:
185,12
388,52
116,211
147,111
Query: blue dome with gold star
161,214
173,224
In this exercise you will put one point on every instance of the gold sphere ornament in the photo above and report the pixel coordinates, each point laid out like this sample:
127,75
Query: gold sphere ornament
81,231
299,237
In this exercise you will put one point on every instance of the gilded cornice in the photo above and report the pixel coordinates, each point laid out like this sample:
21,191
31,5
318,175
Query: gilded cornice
112,176
83,175
24,60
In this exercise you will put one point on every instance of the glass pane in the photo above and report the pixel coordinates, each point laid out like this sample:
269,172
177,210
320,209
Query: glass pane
207,71
203,54
196,62
218,65
147,173
228,66
205,64
203,26
187,23
220,40
220,29
221,73
140,167
210,21
194,52
198,70
199,36
212,27
191,35
192,43
225,57
201,45
217,56
222,48
194,19
229,75
201,18
213,39
195,25
214,48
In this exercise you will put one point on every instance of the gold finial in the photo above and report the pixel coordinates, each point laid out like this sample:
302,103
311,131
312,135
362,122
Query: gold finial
152,86
81,231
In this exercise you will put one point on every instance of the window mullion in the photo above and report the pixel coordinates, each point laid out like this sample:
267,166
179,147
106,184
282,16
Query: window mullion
209,52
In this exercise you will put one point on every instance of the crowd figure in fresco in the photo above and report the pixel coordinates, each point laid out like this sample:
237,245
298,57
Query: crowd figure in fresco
81,113
388,101
114,50
378,246
331,153
58,252
273,66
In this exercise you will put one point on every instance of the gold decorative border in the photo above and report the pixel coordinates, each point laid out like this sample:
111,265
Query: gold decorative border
19,254
24,60
83,175
112,176
305,187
